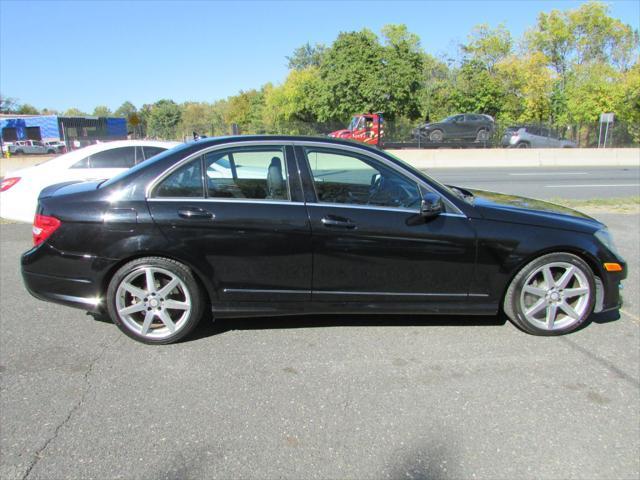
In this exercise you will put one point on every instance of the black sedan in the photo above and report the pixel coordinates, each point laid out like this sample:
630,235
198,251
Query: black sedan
259,226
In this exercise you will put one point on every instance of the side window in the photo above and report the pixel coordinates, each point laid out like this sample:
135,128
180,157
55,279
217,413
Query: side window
186,181
248,173
123,157
150,152
84,163
343,178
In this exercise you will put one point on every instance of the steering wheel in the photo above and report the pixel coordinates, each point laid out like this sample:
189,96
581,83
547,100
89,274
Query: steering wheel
401,194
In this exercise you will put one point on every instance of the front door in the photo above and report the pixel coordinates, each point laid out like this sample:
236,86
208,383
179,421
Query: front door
239,215
370,243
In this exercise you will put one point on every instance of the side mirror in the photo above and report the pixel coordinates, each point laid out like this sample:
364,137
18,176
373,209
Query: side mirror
431,206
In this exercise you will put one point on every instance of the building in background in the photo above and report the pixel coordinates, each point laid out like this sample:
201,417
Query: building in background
75,132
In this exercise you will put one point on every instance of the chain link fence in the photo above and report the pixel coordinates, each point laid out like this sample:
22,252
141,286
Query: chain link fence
405,133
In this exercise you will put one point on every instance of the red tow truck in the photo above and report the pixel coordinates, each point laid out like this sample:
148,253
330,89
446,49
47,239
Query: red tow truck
366,128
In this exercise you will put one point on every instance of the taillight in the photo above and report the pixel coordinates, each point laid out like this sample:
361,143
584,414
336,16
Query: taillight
43,227
7,183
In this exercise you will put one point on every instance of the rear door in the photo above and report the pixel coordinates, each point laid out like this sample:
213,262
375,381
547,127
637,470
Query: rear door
239,216
370,243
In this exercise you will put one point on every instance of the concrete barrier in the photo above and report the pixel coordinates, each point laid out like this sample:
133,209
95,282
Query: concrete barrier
513,158
463,158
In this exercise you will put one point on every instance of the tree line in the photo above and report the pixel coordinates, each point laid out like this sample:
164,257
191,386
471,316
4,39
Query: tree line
566,70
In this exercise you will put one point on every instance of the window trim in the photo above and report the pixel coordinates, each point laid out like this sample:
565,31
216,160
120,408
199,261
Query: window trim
149,190
422,185
455,210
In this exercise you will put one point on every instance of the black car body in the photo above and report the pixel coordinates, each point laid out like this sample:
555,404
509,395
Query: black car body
467,126
319,234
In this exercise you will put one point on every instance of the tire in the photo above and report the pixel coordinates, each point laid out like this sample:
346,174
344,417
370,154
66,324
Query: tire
51,151
18,152
436,136
482,135
542,309
143,312
523,145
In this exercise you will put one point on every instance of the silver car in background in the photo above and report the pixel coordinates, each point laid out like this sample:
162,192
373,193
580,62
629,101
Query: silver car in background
533,136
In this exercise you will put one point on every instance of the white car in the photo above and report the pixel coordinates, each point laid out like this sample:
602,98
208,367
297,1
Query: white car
19,190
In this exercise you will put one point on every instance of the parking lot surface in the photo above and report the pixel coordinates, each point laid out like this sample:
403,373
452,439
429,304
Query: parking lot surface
317,397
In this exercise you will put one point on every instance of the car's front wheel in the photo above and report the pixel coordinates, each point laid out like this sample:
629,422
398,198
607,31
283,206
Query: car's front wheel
155,300
482,135
552,295
436,136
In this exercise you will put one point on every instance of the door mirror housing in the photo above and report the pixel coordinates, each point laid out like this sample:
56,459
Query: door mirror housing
432,205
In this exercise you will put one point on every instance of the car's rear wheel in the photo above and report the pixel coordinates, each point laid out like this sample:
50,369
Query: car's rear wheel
552,295
482,135
436,136
523,145
155,300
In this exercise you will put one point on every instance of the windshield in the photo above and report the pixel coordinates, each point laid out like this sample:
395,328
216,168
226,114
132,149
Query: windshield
142,165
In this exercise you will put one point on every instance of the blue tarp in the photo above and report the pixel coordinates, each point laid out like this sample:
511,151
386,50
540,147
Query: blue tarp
48,126
116,127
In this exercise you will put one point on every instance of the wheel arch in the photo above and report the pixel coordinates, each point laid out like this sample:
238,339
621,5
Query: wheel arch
200,277
582,254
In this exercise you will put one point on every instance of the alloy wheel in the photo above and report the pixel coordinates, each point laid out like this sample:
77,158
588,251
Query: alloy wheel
153,302
555,296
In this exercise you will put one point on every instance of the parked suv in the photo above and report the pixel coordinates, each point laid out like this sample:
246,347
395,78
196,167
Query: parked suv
464,126
533,136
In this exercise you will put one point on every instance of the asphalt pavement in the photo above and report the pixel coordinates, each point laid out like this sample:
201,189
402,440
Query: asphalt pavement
548,182
317,397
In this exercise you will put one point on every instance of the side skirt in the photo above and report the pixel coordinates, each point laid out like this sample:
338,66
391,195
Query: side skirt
261,309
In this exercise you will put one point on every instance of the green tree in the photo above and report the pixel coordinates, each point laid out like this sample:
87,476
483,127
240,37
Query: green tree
628,101
74,112
8,104
403,66
125,110
27,109
164,119
583,35
102,111
488,46
437,80
477,90
246,110
529,85
592,88
290,108
196,117
306,56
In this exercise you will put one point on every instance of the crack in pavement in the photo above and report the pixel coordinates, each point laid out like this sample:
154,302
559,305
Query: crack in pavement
40,452
602,361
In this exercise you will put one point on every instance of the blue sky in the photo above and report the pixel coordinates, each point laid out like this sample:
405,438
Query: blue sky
82,54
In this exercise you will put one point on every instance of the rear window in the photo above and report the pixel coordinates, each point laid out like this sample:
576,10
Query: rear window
152,151
123,157
144,164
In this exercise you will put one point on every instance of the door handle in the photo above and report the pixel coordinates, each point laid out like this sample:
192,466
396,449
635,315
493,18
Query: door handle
338,222
195,213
